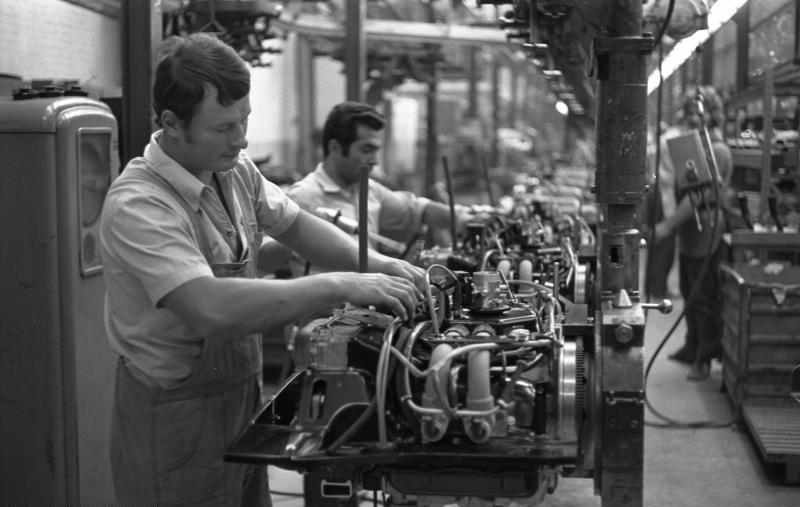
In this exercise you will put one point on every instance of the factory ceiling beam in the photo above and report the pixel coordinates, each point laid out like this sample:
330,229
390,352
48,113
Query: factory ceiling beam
397,31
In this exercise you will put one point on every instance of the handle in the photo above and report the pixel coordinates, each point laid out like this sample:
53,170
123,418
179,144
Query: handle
665,306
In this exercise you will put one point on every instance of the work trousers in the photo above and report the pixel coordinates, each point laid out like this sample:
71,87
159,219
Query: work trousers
170,452
704,311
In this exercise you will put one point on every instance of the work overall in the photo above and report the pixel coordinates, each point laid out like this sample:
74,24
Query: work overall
167,444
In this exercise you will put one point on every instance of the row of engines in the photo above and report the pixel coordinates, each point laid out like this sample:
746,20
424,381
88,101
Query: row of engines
483,397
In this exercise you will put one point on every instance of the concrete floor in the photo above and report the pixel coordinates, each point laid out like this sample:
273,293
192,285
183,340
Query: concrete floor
683,467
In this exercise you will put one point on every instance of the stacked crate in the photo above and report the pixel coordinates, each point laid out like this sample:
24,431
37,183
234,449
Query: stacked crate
761,347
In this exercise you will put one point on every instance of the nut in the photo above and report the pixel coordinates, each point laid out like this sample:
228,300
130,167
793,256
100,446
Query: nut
623,333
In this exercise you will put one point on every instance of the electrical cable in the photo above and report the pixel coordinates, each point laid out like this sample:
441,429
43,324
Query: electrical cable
300,494
661,33
286,493
670,422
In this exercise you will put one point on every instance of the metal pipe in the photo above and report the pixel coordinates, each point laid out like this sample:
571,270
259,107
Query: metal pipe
451,200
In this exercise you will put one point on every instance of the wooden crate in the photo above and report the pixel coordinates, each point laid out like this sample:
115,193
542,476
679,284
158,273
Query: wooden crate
742,246
775,426
761,330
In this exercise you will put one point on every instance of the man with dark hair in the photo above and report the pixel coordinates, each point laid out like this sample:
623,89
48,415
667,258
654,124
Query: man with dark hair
181,230
351,141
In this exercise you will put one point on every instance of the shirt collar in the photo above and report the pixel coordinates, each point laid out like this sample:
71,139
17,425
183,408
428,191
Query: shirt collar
184,182
328,185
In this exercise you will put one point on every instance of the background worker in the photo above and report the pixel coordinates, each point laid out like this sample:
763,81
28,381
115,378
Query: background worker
180,233
352,138
658,203
701,107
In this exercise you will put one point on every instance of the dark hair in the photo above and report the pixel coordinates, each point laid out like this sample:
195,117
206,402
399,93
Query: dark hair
187,64
343,121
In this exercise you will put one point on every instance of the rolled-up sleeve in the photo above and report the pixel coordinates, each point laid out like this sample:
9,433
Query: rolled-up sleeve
400,210
275,211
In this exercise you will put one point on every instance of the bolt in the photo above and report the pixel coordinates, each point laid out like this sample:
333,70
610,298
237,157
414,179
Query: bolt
623,333
634,424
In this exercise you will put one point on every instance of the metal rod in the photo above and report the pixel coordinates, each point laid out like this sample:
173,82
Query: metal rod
488,180
355,52
363,221
766,145
451,198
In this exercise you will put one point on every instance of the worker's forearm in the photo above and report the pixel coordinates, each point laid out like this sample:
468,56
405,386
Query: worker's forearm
436,215
225,307
236,307
326,246
683,212
321,243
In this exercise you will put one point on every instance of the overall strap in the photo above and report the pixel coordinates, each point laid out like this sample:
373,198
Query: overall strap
243,193
149,174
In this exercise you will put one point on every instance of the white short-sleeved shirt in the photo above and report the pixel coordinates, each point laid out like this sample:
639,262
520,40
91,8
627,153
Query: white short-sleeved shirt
149,248
389,210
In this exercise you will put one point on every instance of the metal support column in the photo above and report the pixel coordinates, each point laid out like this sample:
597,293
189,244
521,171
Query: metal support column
620,186
513,113
431,144
306,110
355,49
142,33
473,78
495,111
766,146
431,124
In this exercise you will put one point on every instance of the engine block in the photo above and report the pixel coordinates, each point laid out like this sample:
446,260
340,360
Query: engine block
489,381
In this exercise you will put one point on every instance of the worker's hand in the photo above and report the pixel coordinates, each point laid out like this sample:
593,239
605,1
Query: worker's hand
397,267
390,294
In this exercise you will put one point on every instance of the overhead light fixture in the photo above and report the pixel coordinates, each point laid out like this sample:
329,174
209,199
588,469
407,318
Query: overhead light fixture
562,108
719,14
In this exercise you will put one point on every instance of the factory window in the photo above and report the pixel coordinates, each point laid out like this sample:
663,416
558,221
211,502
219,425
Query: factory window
724,61
772,34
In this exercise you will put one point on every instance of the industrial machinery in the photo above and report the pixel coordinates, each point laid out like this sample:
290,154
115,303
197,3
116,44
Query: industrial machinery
489,381
525,361
495,378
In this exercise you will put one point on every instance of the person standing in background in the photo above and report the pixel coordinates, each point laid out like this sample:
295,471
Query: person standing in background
699,226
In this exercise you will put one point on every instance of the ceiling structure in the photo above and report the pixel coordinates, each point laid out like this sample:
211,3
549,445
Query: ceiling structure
406,38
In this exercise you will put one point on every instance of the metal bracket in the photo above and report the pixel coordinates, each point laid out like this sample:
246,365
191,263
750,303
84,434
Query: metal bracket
604,45
623,397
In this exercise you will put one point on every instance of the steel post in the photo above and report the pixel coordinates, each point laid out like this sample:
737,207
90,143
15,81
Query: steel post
620,184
